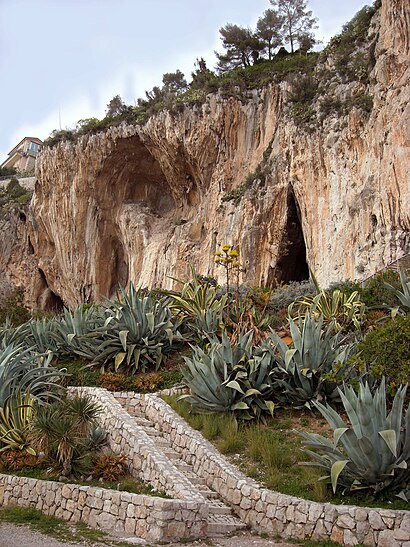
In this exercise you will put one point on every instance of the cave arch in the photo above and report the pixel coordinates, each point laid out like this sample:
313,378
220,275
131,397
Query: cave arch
292,264
130,185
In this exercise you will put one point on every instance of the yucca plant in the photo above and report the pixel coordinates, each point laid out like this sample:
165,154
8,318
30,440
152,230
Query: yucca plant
230,377
403,296
62,431
372,450
300,376
15,417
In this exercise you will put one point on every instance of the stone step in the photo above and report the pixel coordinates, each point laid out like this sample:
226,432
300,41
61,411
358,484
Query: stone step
221,521
207,493
194,479
218,507
172,454
220,525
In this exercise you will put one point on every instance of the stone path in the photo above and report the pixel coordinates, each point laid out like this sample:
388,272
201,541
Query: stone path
221,520
12,535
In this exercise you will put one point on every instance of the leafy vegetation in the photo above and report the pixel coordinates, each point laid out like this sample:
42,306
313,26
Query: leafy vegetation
304,372
229,376
14,195
266,452
335,307
372,451
386,350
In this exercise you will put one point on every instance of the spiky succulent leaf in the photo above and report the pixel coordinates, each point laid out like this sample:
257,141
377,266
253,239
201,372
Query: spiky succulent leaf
372,451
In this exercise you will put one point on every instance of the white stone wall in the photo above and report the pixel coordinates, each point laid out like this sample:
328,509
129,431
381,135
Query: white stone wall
26,182
147,517
268,511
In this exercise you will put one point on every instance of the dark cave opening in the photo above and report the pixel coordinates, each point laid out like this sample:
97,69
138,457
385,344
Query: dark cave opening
48,300
292,264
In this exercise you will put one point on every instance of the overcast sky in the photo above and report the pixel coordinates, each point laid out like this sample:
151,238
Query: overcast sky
63,60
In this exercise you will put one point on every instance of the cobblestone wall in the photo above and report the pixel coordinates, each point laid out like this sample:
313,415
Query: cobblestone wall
268,511
147,517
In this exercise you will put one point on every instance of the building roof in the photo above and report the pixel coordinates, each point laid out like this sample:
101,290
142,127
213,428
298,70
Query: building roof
32,139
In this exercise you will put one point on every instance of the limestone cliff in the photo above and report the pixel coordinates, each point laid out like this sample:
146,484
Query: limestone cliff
142,203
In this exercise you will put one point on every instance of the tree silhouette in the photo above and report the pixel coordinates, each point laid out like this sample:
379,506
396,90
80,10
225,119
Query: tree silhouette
298,21
268,31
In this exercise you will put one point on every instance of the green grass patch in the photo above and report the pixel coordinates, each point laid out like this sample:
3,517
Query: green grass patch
271,453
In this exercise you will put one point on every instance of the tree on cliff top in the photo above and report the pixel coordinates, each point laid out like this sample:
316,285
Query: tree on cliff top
268,31
242,47
298,21
115,107
174,81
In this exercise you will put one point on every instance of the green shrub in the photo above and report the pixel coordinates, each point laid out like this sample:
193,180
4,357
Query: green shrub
282,297
387,352
14,311
374,292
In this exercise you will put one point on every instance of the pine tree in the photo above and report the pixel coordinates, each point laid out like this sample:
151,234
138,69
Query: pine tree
298,21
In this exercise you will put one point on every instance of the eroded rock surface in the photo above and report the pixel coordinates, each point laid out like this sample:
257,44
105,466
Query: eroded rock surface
142,203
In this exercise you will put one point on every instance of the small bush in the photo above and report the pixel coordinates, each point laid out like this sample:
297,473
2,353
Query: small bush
110,467
283,296
13,310
386,352
15,460
375,294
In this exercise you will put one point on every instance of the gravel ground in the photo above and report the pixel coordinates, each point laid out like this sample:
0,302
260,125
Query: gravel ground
12,535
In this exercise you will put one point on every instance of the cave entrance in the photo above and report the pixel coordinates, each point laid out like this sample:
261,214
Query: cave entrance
291,264
48,300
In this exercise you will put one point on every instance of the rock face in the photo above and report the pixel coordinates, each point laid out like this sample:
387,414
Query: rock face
142,203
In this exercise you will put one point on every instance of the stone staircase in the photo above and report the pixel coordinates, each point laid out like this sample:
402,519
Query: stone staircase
221,520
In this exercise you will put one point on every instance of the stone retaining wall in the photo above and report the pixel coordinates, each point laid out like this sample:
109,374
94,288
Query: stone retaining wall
147,517
145,460
268,511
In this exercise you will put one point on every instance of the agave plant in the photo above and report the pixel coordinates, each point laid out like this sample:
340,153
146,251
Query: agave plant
300,377
77,331
335,307
24,369
40,333
15,417
372,451
200,305
207,373
403,296
228,376
137,333
253,381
